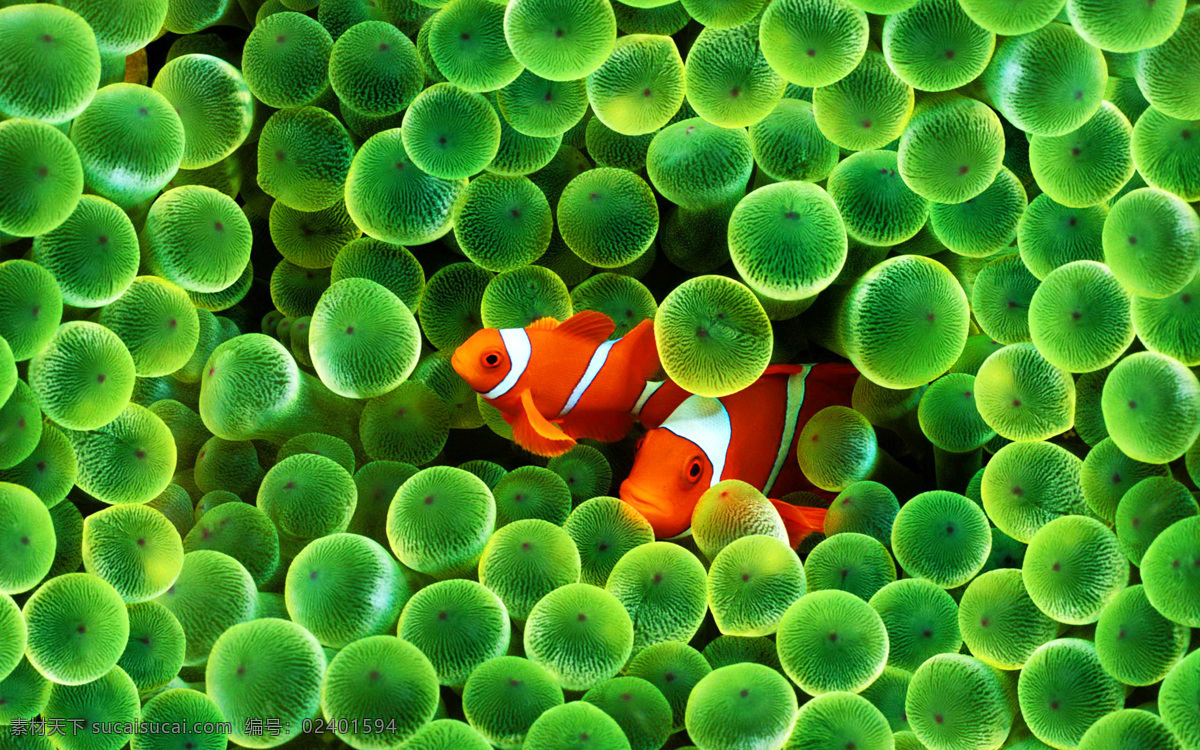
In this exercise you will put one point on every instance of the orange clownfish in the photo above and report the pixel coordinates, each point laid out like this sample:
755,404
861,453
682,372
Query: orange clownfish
555,382
694,442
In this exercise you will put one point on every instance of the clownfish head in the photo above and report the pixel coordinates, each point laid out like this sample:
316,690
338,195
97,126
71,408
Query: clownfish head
483,360
669,475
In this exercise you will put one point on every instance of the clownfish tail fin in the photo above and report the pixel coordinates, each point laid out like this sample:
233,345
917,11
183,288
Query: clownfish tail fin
785,369
834,382
643,350
800,521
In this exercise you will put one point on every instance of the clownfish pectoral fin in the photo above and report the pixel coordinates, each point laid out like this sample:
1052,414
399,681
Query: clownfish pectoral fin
535,433
800,521
588,325
607,427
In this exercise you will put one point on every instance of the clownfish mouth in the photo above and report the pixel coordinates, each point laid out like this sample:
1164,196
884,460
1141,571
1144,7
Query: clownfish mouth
459,366
661,513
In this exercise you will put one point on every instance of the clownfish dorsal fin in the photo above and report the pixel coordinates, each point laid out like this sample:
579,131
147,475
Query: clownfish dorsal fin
800,521
645,350
545,324
537,434
588,325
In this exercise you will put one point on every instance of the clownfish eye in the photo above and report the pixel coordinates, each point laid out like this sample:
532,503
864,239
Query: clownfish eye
694,470
491,359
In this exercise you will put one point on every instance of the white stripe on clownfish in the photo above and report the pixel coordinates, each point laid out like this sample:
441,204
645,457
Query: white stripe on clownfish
795,400
647,391
595,364
705,422
516,344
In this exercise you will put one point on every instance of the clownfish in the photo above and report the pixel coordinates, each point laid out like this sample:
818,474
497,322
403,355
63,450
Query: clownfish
555,382
694,442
